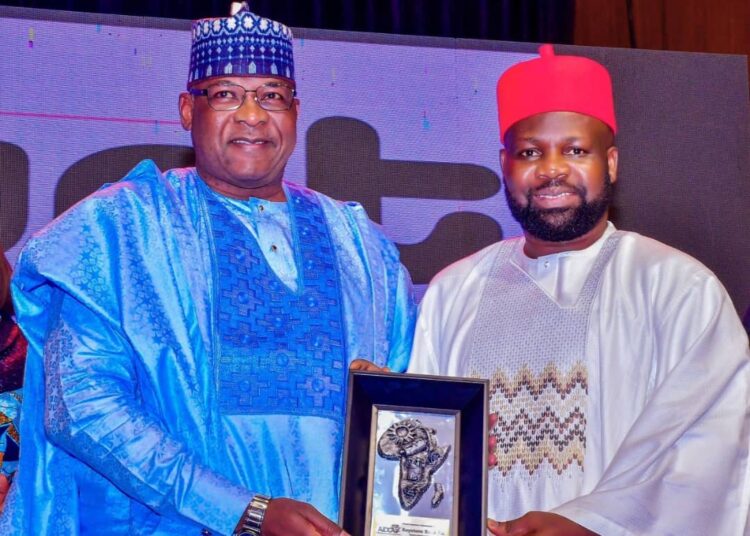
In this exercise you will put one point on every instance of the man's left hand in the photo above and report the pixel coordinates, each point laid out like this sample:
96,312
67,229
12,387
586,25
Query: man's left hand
4,487
366,366
538,524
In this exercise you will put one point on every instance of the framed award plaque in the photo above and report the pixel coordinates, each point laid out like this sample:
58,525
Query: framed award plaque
415,456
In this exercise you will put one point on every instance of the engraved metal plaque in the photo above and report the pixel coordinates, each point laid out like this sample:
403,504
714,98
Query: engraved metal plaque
415,456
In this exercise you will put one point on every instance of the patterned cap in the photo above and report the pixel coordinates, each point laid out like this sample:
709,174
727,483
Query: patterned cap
243,44
554,83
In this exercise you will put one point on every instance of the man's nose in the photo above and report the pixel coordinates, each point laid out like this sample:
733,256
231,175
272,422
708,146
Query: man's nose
250,111
553,166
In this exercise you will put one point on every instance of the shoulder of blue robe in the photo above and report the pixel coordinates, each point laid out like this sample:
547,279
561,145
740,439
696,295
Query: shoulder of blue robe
354,216
133,254
392,294
132,230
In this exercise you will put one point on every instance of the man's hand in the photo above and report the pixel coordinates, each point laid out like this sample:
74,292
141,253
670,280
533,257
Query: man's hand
367,366
492,442
4,486
286,517
538,524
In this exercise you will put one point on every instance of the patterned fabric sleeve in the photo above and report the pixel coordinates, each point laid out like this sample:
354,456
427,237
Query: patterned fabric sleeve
94,411
12,360
393,293
404,318
10,404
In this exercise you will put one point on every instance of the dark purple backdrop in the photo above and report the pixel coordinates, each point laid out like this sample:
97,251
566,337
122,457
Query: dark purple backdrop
509,20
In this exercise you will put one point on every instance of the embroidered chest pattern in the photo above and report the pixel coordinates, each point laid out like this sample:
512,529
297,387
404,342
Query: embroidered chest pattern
539,419
282,352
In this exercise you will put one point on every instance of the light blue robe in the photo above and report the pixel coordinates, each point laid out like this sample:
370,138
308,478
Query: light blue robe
121,427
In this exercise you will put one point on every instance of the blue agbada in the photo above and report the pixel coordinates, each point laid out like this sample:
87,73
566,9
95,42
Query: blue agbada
172,373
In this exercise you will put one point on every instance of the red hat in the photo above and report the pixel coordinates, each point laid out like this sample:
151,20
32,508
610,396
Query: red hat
555,84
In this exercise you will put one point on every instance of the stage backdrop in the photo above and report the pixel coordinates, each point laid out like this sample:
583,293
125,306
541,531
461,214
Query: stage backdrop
405,125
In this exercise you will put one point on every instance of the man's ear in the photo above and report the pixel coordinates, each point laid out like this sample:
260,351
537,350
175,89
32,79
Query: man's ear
186,104
503,160
612,163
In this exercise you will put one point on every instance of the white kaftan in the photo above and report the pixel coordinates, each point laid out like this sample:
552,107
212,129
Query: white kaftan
668,376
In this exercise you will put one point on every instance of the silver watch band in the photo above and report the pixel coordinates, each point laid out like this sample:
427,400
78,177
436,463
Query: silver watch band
252,519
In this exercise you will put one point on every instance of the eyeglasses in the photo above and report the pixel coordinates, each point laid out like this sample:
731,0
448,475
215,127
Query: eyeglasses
224,97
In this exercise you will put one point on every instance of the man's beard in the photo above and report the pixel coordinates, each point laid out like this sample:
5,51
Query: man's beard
561,224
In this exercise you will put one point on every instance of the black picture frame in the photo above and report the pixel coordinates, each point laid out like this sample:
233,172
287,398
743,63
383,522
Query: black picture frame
467,399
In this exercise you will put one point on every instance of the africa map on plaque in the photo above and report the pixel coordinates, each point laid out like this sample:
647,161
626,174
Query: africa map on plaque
413,481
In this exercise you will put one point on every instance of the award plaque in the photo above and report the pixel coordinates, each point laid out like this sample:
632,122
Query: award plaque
415,456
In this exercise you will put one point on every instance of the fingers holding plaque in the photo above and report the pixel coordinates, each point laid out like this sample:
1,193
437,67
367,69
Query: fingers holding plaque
414,453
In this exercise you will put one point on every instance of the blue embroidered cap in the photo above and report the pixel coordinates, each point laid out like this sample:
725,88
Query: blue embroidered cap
243,44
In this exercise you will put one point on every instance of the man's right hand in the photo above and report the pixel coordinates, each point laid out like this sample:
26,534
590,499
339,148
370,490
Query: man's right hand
4,487
366,366
287,517
492,442
538,524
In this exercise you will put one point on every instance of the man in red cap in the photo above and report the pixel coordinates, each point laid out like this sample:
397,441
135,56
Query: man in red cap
619,370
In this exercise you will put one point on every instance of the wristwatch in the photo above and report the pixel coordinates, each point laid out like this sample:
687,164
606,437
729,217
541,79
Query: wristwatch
252,519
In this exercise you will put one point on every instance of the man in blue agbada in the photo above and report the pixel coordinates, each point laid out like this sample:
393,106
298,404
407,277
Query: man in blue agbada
190,331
